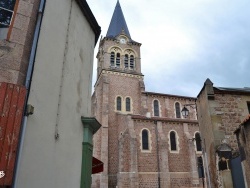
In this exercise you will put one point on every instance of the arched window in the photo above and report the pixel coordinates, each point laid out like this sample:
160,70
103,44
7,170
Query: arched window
118,103
132,63
156,108
177,110
128,108
126,61
145,140
118,60
112,59
198,141
173,145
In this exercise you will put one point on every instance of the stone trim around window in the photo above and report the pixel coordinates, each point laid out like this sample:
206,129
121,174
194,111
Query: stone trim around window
123,105
149,141
197,152
177,142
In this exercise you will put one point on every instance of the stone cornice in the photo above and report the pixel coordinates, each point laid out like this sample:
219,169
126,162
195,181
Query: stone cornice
163,119
120,73
168,95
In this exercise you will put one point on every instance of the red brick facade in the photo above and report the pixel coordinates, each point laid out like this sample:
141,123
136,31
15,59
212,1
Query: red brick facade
119,142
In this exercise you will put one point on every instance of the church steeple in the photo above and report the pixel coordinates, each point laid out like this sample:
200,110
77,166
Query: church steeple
118,23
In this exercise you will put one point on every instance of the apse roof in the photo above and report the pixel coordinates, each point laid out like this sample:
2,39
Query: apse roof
118,24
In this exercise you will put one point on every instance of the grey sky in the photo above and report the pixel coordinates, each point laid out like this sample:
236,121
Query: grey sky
185,42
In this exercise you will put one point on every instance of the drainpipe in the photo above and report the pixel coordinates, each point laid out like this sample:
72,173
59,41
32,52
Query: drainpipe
27,85
157,154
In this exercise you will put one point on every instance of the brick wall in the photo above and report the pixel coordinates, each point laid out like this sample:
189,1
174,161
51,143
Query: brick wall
127,165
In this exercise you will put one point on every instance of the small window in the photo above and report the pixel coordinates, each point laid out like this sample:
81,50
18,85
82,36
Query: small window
248,106
118,60
198,141
112,59
173,145
6,16
126,61
118,103
200,167
132,62
177,110
128,108
145,140
156,108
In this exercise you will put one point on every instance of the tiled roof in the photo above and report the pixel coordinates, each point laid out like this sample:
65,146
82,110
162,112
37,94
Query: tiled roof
245,89
118,23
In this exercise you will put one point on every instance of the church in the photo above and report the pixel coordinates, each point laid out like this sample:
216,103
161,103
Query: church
144,140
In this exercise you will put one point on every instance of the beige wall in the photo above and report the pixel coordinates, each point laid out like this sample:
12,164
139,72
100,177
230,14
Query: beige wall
60,93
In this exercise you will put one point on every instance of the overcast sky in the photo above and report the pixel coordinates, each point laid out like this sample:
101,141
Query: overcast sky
186,42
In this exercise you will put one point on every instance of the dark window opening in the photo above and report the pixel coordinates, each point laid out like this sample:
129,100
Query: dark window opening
177,110
128,104
223,164
118,59
248,106
126,61
200,167
119,103
156,108
132,62
145,145
112,59
173,141
6,16
198,142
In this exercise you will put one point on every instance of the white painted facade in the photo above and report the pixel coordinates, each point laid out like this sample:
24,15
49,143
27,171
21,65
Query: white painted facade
61,94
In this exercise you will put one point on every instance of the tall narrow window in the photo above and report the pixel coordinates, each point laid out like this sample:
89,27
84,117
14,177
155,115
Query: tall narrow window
198,141
200,167
132,63
156,108
128,108
118,60
173,141
145,144
118,103
177,110
126,61
112,59
248,106
6,16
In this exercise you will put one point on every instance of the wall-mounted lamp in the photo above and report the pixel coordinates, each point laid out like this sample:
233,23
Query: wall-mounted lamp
185,111
29,110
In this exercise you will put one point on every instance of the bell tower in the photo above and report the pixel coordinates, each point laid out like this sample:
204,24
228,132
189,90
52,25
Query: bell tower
117,51
117,94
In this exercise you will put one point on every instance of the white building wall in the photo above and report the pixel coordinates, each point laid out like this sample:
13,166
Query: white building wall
62,75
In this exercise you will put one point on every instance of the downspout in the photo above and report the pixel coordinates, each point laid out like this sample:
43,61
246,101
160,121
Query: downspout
27,85
157,154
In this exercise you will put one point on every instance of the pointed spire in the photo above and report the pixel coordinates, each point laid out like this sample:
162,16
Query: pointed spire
118,23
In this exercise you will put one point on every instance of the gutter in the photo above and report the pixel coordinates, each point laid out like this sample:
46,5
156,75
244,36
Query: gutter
27,85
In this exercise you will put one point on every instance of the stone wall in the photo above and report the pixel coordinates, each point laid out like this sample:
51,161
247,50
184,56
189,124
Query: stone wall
219,113
15,50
